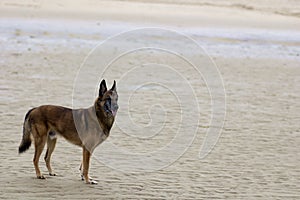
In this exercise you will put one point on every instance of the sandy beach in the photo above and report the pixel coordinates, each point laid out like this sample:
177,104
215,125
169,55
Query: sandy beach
178,65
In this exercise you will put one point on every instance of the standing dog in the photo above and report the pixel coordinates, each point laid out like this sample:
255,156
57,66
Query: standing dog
83,127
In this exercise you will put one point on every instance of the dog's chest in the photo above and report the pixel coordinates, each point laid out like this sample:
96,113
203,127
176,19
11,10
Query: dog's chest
92,136
88,128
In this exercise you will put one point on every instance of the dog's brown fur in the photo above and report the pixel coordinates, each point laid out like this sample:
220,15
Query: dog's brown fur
83,127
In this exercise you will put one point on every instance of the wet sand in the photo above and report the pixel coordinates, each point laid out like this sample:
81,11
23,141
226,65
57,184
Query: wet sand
257,155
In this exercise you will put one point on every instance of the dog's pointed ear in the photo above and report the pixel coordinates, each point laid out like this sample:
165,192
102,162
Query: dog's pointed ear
102,88
114,87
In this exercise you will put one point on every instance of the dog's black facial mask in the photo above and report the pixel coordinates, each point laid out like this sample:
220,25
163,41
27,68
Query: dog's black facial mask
107,105
108,99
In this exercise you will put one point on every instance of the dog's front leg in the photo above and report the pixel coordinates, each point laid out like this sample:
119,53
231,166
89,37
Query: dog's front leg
81,173
86,163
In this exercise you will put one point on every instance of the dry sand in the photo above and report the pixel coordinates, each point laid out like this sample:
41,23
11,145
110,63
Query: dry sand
256,47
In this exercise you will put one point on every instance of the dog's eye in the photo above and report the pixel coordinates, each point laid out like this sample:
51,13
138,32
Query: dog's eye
108,101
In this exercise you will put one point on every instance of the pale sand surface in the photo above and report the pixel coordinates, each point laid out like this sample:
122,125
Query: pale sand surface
256,47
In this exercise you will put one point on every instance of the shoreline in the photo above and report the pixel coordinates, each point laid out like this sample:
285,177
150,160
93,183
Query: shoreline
153,13
221,42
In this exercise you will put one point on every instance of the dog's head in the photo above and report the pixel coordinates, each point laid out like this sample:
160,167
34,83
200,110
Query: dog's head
107,100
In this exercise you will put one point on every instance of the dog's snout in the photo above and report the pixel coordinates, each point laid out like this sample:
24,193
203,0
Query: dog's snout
115,107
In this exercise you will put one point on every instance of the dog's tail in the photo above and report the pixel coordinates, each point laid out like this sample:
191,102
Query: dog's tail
26,139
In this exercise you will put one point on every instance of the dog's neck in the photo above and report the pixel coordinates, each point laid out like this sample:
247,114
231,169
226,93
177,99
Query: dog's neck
104,121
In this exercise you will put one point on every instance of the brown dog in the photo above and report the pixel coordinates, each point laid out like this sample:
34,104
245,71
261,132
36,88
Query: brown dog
83,127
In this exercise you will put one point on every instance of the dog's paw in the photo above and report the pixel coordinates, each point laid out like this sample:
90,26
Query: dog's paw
41,177
82,178
52,174
92,182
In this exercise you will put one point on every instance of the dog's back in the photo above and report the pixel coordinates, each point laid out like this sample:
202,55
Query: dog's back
49,120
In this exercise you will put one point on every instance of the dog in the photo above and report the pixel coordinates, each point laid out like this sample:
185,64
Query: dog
86,128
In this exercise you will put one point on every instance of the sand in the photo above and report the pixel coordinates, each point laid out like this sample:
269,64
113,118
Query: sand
255,47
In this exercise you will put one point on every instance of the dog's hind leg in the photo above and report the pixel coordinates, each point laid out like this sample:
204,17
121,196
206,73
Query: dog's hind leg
39,142
51,142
